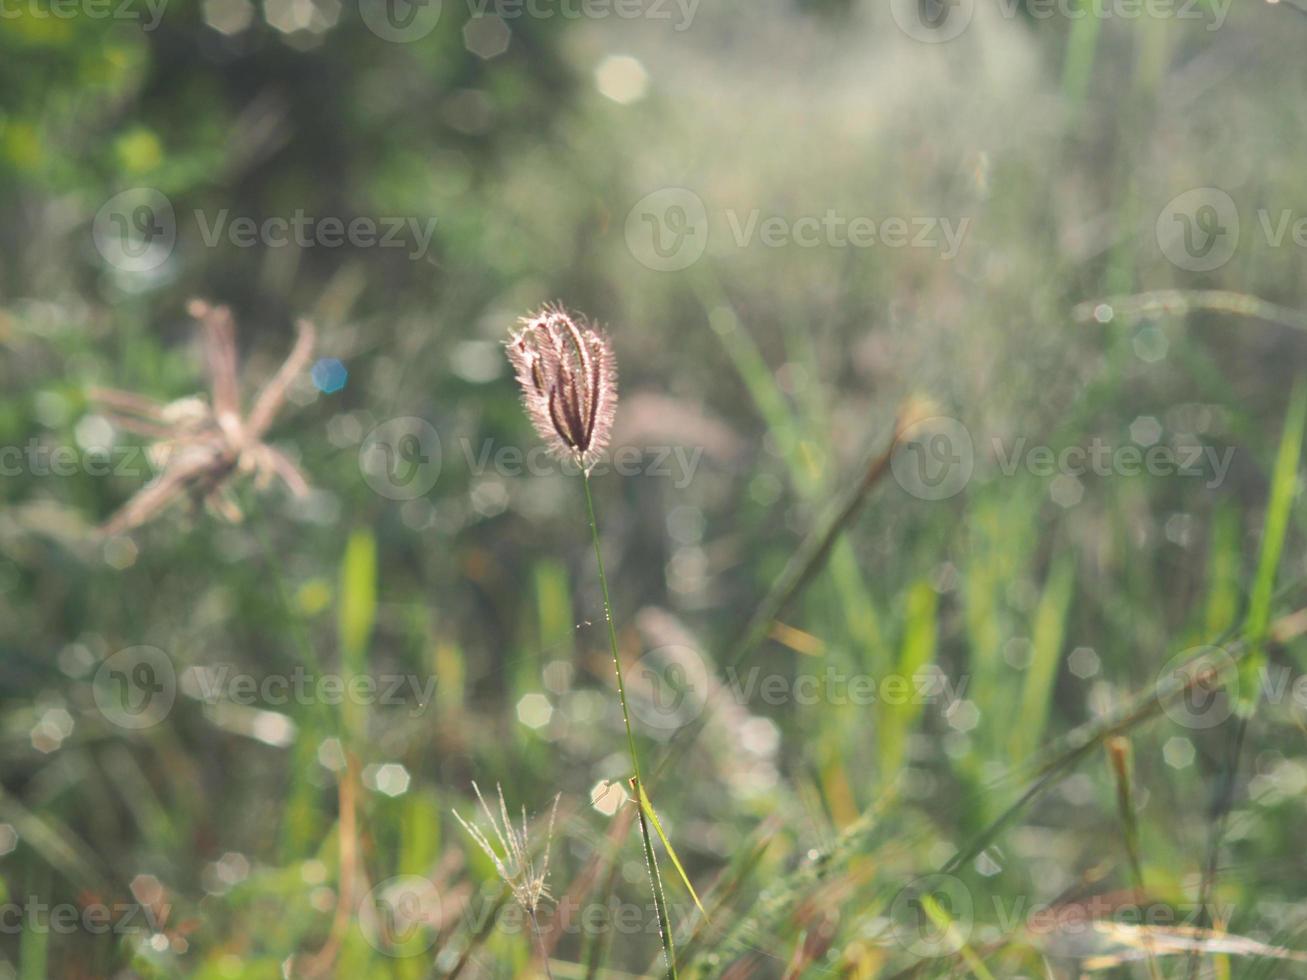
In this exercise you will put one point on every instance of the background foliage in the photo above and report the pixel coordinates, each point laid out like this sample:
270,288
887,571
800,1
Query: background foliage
1047,600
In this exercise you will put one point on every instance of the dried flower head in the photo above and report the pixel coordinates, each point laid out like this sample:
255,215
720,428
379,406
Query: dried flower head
568,375
199,446
515,865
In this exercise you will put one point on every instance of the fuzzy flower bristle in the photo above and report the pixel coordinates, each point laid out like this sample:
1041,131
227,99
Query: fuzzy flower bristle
512,860
568,374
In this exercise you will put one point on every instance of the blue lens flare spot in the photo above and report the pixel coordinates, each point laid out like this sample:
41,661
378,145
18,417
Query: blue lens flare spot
329,375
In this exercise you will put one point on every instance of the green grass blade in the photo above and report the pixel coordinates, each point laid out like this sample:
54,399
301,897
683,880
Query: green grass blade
1047,635
1284,486
652,815
944,922
1222,606
358,594
917,650
357,613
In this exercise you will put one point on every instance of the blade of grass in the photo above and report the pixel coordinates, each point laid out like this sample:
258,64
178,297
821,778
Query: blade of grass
651,859
917,650
1222,606
356,617
1046,639
860,613
1118,754
671,851
1079,65
1284,487
1180,302
944,922
811,555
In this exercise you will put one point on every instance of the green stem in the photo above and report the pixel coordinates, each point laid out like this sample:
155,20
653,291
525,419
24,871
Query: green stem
655,879
612,630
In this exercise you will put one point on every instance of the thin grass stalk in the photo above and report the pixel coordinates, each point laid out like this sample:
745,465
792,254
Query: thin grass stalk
1222,804
655,879
323,961
540,944
807,562
1118,755
810,557
1181,302
480,938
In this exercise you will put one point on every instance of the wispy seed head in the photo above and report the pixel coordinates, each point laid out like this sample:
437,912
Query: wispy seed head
568,375
512,860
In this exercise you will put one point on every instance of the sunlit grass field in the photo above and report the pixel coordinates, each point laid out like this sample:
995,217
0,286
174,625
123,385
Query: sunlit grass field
951,512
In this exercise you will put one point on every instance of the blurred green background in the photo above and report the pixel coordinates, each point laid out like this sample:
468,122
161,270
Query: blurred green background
703,180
